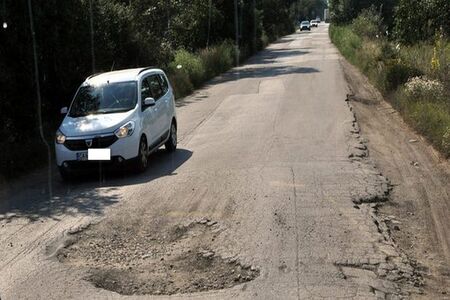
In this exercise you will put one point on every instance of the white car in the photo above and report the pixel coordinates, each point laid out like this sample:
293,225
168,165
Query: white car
118,117
305,25
314,23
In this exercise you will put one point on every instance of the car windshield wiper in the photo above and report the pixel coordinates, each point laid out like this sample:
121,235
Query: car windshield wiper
111,111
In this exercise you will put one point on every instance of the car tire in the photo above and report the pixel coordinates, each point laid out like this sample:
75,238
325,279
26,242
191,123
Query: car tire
142,158
171,144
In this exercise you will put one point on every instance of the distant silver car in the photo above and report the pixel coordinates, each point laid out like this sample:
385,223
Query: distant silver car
314,23
305,25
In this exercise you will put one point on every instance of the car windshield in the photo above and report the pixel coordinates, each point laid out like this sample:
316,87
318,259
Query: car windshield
103,99
305,23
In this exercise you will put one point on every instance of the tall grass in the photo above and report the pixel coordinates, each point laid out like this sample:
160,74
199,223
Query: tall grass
390,67
190,70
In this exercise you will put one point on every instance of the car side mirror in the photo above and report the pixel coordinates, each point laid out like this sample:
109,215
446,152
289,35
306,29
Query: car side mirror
64,110
149,101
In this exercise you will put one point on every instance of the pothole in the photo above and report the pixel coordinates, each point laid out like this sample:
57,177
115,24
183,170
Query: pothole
137,262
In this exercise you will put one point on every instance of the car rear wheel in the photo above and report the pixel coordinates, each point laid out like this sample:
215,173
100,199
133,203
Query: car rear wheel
142,159
171,144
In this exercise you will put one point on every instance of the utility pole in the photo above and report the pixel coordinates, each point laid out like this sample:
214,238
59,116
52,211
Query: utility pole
236,25
209,22
254,25
91,17
39,101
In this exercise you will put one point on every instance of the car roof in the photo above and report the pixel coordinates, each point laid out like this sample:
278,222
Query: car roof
119,75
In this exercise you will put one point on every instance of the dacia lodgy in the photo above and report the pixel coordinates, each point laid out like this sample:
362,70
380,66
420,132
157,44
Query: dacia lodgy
119,117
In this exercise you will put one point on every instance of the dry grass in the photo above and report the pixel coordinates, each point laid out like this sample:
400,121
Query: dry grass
389,66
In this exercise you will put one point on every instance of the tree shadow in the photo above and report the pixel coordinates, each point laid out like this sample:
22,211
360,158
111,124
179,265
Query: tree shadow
261,65
87,195
262,72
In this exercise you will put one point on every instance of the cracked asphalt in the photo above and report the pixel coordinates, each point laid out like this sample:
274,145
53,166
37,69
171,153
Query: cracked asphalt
271,151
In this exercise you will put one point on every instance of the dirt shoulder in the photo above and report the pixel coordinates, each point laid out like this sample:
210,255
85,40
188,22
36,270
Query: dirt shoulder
418,214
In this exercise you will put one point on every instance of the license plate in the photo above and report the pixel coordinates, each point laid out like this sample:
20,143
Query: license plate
99,154
82,156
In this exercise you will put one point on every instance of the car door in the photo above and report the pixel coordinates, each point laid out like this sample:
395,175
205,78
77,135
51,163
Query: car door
158,110
167,102
148,113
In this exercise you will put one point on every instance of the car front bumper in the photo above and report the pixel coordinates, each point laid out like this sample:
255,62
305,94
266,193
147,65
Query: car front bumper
122,149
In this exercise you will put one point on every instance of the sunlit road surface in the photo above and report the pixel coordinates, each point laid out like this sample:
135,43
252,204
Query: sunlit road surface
263,151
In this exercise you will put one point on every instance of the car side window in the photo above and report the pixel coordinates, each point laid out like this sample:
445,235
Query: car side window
163,82
155,87
145,90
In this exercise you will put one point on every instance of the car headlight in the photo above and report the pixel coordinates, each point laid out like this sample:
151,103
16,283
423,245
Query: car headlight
60,137
125,130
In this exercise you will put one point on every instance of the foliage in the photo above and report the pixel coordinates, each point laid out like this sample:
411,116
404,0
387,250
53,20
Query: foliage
397,71
190,64
126,34
424,88
368,23
308,9
397,74
189,70
218,59
181,84
344,11
417,20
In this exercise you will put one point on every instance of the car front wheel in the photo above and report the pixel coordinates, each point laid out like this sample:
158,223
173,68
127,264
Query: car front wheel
142,159
171,144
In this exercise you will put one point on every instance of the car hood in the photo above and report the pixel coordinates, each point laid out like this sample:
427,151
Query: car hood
94,124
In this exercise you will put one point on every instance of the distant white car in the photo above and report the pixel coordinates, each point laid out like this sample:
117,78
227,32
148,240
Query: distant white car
305,25
314,23
123,115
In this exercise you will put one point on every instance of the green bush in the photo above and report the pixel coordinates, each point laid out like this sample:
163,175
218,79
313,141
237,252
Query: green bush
181,84
190,64
398,74
189,70
423,102
218,59
433,122
346,41
368,23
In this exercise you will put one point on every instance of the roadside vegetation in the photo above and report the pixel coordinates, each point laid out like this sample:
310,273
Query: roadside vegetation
192,41
409,65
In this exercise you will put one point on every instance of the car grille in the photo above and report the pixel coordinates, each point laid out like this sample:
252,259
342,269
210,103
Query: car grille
98,142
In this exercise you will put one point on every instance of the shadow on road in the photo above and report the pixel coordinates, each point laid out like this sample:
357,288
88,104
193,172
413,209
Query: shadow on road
265,64
89,194
262,72
261,65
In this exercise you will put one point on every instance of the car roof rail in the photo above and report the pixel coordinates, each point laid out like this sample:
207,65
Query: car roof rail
146,69
93,75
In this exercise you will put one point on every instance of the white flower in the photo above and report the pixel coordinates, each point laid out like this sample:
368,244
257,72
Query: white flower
424,88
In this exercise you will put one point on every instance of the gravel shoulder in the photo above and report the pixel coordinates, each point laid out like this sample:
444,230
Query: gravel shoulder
418,213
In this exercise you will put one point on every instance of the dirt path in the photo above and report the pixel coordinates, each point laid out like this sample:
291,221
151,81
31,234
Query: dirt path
419,211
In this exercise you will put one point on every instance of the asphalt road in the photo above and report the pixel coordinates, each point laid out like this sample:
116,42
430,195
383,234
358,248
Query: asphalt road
264,152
